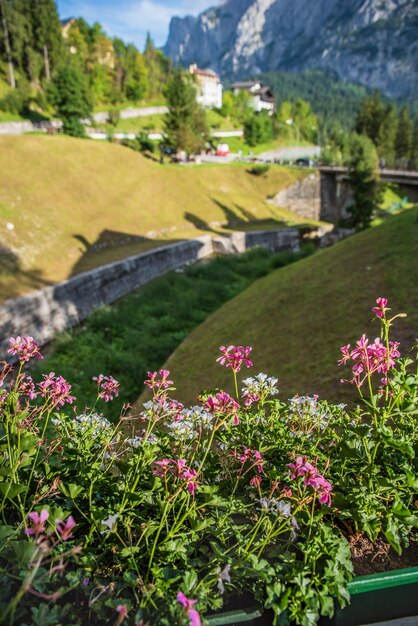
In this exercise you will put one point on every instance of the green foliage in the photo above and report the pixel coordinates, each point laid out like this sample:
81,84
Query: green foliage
332,100
115,72
364,180
185,124
297,121
258,128
404,136
70,96
370,116
259,170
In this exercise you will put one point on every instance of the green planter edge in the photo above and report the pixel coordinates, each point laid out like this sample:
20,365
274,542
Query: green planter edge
359,585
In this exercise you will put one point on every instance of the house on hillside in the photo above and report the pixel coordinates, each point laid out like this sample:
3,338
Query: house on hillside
261,96
209,87
66,25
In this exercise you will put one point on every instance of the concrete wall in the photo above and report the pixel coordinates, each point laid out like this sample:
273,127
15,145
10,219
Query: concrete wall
336,196
46,312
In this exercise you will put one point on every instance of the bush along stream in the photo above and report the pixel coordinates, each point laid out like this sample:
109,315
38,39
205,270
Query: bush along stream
138,334
244,494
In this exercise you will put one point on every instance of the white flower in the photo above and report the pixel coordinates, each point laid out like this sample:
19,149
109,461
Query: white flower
110,523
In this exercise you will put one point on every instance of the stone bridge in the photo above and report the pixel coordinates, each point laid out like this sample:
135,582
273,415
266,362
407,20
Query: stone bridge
337,195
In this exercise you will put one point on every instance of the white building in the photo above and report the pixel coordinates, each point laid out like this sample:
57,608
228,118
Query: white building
261,96
209,87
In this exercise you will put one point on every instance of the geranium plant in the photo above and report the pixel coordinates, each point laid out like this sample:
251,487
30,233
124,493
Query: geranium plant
163,517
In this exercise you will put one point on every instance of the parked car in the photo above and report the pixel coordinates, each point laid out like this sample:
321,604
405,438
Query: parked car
304,162
222,149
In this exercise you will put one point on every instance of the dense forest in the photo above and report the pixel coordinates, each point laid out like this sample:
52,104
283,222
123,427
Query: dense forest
35,46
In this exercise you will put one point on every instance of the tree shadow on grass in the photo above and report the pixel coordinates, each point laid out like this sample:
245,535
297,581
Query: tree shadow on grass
242,219
14,279
112,246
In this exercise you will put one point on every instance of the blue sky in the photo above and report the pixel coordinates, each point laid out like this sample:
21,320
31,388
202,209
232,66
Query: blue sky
131,19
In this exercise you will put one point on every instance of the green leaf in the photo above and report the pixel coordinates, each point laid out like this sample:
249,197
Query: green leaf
6,531
392,535
71,490
190,580
11,490
23,551
412,479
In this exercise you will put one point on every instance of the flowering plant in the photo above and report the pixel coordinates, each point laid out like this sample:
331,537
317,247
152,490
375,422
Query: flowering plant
159,517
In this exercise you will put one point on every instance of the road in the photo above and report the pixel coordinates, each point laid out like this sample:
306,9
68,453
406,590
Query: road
290,153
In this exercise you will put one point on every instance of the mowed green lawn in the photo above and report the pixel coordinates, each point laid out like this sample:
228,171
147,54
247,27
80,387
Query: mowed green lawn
68,205
297,318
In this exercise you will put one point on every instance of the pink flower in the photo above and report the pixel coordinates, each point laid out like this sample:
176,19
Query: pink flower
189,610
222,403
311,478
256,481
250,397
162,383
27,387
235,357
123,610
189,475
380,309
64,528
56,389
164,467
369,358
108,387
298,468
38,523
25,348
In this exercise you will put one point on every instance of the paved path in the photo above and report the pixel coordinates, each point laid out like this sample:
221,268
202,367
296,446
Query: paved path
290,153
125,114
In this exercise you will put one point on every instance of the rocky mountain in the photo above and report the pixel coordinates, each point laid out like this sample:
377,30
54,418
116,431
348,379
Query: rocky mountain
371,42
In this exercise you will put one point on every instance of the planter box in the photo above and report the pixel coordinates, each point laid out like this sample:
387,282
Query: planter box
374,598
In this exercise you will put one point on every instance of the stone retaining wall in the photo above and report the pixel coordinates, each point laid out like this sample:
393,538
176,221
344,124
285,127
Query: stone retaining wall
303,198
46,312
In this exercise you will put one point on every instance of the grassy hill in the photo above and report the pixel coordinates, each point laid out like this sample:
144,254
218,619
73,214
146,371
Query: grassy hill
297,318
67,205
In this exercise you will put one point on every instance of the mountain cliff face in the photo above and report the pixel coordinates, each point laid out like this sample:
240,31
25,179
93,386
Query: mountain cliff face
372,42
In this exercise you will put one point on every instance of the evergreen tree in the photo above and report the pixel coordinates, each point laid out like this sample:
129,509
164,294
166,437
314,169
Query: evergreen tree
46,29
370,117
414,151
404,136
8,50
69,94
387,137
258,128
364,180
185,123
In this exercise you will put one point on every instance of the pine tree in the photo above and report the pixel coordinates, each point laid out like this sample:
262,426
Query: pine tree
185,124
387,137
364,180
403,142
46,29
7,47
414,151
370,117
69,94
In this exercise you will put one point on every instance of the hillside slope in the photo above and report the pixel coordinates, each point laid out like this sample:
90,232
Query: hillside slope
297,318
67,205
372,42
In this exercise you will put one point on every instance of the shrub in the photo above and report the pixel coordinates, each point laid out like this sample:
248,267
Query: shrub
259,170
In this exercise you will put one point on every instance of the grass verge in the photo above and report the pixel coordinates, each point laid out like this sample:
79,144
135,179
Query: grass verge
139,332
68,205
297,318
